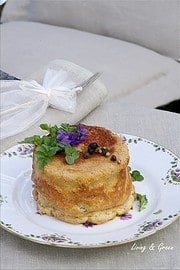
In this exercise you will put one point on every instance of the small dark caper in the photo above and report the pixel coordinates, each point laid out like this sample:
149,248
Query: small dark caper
113,158
90,150
86,155
93,145
104,151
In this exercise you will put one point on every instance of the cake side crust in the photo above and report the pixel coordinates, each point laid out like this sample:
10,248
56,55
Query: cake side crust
96,217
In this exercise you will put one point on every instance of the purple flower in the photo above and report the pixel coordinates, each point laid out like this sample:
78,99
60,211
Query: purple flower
80,135
88,224
126,216
149,226
159,223
72,137
65,137
25,148
123,138
177,172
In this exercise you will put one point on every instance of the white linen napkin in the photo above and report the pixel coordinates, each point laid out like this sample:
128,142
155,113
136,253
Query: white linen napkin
24,103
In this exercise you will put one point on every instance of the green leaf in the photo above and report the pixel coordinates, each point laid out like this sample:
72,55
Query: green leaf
39,154
41,163
44,127
46,140
52,151
69,159
142,201
66,127
41,148
71,154
52,130
158,212
48,159
36,140
44,154
136,176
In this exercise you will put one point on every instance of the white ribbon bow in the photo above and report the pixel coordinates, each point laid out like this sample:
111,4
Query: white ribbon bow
57,87
25,102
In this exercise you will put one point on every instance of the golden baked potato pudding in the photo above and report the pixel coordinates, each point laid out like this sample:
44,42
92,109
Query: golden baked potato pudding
95,187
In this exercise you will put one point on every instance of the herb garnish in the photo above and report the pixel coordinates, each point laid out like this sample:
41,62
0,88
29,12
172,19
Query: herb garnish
142,201
136,175
59,139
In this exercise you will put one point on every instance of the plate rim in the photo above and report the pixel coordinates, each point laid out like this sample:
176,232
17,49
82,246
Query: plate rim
98,245
88,246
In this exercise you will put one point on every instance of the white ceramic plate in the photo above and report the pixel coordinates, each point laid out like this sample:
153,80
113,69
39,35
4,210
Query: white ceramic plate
161,184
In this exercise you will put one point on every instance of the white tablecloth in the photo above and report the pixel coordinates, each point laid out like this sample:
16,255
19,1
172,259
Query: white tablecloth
158,126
